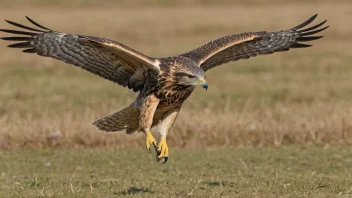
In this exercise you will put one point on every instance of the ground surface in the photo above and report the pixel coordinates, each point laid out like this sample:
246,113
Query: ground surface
291,171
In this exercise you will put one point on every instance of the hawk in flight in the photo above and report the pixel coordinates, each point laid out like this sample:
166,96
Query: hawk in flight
163,83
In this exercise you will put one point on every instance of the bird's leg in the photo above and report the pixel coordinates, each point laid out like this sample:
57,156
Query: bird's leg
150,141
164,126
163,150
147,111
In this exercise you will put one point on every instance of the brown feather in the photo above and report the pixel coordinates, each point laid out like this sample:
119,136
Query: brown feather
246,45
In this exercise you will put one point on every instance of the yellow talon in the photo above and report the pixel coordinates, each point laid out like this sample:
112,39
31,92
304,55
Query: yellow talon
150,141
163,150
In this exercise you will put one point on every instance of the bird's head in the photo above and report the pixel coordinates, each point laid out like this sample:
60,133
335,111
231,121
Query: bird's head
191,76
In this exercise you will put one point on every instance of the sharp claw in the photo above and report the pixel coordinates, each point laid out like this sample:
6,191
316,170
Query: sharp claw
165,159
164,162
162,151
157,158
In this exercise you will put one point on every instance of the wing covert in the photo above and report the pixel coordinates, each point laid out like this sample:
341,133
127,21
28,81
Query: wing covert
103,57
251,44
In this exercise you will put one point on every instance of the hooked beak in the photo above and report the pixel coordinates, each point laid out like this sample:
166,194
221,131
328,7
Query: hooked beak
204,84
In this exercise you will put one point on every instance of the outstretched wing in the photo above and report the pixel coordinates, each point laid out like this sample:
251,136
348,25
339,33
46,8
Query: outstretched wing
246,45
103,57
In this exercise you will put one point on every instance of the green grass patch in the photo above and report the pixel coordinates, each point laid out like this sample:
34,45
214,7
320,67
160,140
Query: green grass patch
291,171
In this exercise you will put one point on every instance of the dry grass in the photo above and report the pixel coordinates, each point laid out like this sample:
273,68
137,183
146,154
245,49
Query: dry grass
300,97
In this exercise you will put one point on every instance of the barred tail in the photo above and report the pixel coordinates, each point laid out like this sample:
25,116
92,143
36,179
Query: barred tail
126,119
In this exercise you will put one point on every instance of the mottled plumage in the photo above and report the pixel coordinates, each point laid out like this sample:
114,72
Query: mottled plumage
163,84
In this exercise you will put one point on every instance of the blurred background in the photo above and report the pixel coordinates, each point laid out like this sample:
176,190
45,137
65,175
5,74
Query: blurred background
298,97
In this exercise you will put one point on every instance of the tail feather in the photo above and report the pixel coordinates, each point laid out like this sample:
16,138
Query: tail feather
126,119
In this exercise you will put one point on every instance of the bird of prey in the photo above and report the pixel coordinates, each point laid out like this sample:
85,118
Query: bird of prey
163,83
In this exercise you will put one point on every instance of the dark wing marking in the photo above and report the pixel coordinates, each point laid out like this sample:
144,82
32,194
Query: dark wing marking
251,44
103,57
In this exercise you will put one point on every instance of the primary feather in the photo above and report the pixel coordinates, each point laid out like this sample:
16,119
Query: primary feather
103,57
251,44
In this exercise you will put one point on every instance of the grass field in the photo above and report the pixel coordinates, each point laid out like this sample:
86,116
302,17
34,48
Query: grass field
292,171
278,125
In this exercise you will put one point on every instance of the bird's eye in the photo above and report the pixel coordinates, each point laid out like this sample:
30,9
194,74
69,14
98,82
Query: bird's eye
191,77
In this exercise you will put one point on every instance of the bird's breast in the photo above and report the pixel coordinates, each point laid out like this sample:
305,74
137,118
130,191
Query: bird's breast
173,98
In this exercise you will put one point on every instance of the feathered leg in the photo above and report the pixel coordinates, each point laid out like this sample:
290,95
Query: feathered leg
163,128
147,110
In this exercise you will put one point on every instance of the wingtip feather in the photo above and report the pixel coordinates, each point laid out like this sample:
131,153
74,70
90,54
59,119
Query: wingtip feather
313,27
18,32
300,45
20,45
35,23
309,38
31,50
315,31
307,22
23,26
16,38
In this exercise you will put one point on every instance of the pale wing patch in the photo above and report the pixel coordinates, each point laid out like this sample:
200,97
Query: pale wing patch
235,42
131,57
